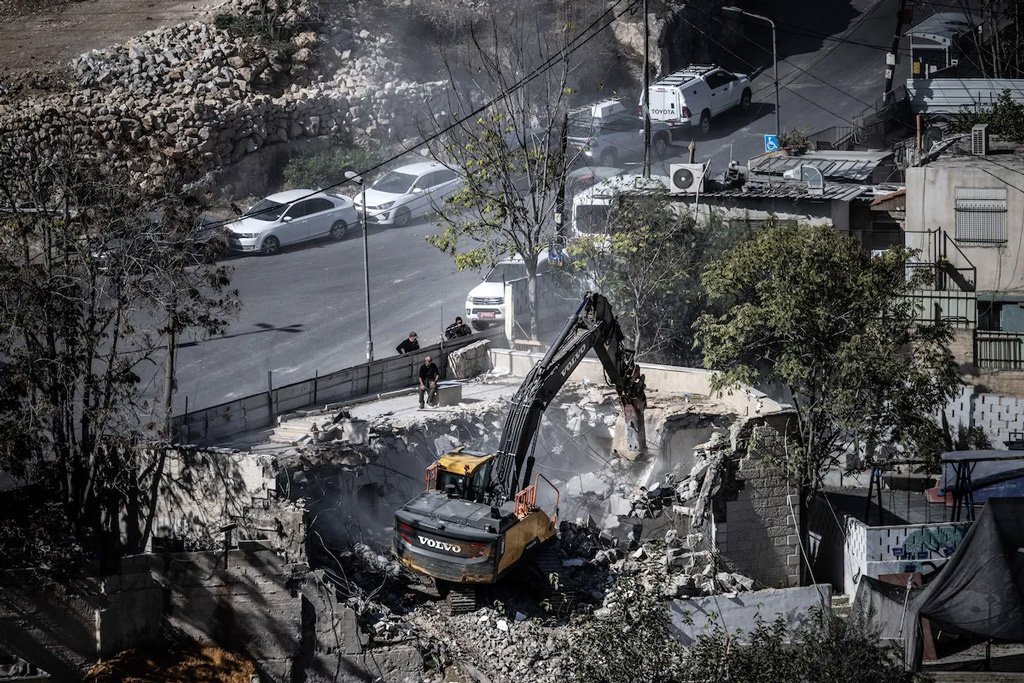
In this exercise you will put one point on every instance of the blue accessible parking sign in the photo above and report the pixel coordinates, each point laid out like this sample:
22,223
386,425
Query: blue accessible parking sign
771,143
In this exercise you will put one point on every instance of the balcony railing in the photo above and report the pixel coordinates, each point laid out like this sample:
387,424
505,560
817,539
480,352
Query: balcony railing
996,350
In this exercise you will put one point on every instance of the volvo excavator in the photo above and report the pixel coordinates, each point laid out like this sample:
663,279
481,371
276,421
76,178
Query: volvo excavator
479,517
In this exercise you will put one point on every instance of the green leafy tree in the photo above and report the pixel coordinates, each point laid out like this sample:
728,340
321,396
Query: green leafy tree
95,276
1005,118
645,258
806,308
510,155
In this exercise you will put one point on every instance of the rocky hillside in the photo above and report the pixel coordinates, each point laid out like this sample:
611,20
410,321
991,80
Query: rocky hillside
271,73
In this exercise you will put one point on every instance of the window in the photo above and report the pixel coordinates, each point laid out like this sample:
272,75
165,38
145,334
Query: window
317,205
980,215
717,79
394,183
300,210
266,210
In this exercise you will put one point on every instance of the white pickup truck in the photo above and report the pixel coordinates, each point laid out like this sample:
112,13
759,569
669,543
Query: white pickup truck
696,94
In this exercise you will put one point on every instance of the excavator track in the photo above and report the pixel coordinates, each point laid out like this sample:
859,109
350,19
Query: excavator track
462,599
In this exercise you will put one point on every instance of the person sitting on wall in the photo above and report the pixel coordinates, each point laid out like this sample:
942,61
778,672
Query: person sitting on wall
457,329
408,345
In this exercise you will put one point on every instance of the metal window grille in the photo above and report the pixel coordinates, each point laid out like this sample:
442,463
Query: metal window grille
980,215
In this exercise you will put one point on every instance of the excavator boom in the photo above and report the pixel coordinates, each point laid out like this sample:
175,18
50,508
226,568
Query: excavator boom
478,518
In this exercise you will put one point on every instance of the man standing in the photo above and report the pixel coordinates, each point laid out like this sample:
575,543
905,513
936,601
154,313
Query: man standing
457,329
408,345
429,375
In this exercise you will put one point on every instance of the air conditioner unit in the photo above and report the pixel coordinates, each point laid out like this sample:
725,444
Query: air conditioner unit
979,139
687,178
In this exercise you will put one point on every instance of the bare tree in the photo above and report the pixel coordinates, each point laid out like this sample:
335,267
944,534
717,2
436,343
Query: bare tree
517,73
95,275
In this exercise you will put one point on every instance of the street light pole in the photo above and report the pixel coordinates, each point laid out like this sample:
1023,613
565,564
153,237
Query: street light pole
355,177
775,59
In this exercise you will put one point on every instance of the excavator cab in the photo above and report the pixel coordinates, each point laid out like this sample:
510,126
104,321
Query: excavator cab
462,474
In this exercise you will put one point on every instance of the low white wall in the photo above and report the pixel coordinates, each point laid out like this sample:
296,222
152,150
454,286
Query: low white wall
898,549
737,613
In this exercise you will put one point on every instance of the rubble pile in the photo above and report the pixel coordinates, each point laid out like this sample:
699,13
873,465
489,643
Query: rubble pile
517,635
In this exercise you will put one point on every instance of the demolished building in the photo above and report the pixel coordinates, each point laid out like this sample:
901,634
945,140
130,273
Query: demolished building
697,517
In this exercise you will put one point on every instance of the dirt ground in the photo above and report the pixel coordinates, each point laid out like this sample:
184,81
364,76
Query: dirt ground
174,661
45,35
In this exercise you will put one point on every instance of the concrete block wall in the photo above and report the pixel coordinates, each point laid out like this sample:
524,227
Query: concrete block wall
897,549
855,553
203,490
759,533
337,651
52,626
245,602
997,414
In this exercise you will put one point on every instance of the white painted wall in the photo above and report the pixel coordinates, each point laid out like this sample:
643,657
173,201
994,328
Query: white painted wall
931,204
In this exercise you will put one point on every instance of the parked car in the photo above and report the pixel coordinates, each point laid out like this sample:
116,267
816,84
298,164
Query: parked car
696,94
408,192
485,303
608,134
291,217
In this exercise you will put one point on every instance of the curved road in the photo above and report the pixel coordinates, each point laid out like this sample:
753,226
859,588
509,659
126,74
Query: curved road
303,311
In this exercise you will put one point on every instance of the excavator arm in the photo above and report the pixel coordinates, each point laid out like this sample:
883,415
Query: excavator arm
593,326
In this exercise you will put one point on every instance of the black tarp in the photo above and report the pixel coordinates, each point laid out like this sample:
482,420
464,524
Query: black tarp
980,589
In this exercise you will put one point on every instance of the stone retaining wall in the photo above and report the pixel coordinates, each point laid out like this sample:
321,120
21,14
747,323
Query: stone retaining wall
194,93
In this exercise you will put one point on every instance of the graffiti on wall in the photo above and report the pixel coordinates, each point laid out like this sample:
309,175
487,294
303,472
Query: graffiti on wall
931,542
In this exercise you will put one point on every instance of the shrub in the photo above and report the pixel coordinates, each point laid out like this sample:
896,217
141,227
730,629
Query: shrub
328,167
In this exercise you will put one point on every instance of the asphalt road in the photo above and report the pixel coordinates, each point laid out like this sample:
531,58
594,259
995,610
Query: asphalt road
822,82
303,309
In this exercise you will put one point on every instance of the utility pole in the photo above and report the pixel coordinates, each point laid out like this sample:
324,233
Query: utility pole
892,58
169,384
563,148
647,94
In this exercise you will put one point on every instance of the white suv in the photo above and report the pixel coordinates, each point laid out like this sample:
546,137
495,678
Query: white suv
693,96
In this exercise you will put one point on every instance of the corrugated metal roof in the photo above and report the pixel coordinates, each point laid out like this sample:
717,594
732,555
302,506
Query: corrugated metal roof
942,26
851,166
952,95
831,191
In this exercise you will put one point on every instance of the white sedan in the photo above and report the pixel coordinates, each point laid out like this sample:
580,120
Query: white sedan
291,217
407,192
